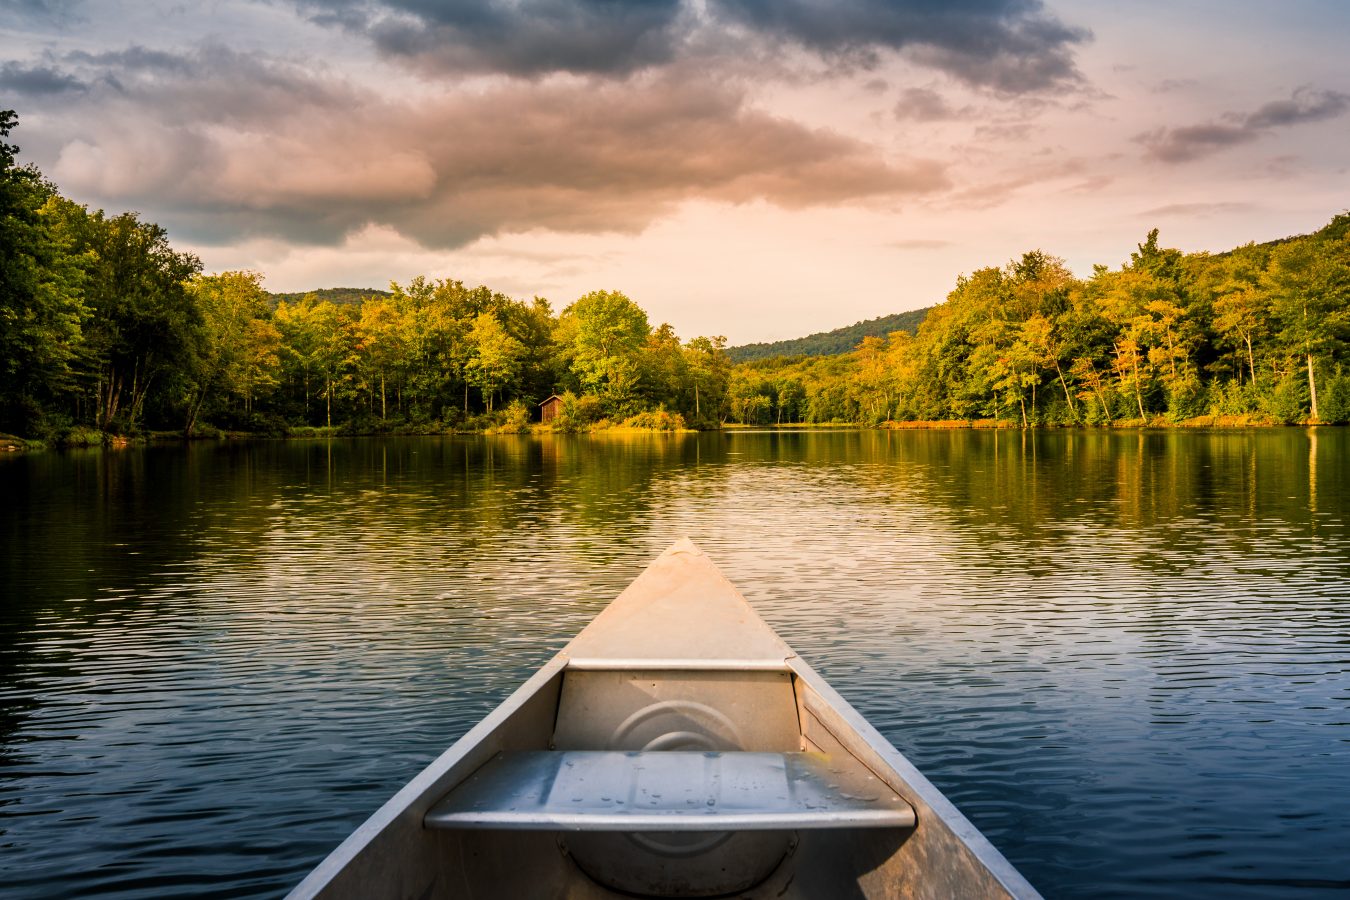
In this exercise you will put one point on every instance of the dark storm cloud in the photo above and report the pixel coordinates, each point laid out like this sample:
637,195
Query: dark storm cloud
39,9
531,37
37,80
229,145
1176,145
1009,46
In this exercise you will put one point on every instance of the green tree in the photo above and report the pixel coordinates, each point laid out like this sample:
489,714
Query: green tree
605,333
709,371
236,350
496,358
144,325
42,282
1309,285
381,346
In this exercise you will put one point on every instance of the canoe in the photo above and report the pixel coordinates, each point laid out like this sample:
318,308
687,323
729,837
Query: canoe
677,747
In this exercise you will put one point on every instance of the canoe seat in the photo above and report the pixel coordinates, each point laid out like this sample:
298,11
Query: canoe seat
669,791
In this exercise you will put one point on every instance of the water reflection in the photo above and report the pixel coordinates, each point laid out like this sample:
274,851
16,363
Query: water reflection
1124,655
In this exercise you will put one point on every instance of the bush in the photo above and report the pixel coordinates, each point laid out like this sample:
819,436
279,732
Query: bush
1185,398
1234,399
1334,399
80,436
514,419
578,413
584,410
656,420
1288,403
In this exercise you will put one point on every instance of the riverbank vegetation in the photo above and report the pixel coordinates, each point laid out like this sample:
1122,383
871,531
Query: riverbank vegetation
1259,334
107,330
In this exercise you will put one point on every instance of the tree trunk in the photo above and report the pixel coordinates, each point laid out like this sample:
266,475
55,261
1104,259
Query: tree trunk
1251,358
383,407
1138,397
194,409
138,395
109,402
1068,398
1023,404
329,394
1312,388
696,415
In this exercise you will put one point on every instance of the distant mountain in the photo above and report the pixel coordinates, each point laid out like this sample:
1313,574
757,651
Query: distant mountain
343,296
830,343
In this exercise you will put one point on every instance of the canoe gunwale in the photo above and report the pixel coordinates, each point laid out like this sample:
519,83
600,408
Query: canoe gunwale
872,749
687,598
464,757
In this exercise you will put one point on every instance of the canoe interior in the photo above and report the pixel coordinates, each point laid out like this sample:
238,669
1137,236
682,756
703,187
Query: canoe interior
577,709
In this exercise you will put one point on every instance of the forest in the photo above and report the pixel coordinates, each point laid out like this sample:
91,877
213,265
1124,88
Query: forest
829,343
107,330
1255,335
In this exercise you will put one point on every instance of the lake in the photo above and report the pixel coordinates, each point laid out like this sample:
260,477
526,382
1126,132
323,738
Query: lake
1124,655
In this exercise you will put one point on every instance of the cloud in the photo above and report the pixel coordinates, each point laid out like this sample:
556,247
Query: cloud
990,194
39,9
1190,142
1305,106
226,145
1009,46
526,38
1172,85
1197,209
37,80
925,105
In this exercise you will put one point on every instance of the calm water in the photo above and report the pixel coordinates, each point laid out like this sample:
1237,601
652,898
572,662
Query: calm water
1126,657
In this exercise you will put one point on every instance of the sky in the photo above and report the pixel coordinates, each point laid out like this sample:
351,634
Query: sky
759,169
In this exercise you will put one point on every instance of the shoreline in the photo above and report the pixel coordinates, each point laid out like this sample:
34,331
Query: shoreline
88,438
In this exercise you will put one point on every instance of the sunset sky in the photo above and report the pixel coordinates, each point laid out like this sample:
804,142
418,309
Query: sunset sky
755,168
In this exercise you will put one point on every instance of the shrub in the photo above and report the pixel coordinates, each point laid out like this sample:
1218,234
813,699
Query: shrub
1234,399
80,436
1185,398
1288,403
656,420
583,410
1333,401
514,419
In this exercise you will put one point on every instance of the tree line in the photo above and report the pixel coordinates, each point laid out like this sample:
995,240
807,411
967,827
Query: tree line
105,327
1259,333
831,343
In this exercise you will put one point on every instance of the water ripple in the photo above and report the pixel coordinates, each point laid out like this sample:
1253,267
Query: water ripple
1125,656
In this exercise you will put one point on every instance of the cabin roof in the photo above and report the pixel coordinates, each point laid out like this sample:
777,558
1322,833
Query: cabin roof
681,609
550,397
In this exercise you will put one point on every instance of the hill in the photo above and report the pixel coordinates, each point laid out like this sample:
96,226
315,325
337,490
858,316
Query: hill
343,296
830,343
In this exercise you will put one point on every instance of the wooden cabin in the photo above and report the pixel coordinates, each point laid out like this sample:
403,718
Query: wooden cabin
550,409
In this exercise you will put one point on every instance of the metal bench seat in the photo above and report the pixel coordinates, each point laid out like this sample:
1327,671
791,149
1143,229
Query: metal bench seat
670,791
